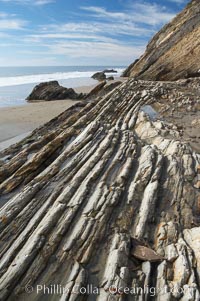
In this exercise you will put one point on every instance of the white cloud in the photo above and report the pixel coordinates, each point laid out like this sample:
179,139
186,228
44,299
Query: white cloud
179,1
43,2
104,36
114,28
107,36
9,21
3,15
68,36
15,61
7,24
100,52
30,2
146,13
3,35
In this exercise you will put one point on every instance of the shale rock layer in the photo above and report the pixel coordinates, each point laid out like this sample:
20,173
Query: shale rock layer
174,51
101,196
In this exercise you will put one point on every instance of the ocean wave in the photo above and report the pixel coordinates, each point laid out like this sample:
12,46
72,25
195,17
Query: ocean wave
39,78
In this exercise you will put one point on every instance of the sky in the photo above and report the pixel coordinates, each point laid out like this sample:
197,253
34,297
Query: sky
80,32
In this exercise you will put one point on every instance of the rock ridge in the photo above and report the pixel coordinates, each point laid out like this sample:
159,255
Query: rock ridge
173,53
103,195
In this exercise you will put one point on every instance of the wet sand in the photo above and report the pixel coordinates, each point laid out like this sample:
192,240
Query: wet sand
16,122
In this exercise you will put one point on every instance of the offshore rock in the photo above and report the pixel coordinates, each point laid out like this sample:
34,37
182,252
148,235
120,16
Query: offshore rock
52,91
110,78
99,76
109,71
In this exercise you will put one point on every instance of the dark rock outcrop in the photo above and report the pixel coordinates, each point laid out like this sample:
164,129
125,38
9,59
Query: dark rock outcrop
143,252
96,90
174,51
109,71
110,86
99,76
52,91
102,76
110,78
128,70
102,89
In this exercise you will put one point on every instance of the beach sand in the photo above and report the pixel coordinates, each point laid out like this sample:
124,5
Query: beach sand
17,122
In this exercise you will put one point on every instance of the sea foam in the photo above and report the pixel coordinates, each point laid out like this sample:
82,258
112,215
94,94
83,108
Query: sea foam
38,78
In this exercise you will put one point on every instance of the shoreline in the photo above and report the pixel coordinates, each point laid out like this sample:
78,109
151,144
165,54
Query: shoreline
17,121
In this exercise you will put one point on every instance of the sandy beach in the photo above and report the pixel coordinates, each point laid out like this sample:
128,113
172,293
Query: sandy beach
16,122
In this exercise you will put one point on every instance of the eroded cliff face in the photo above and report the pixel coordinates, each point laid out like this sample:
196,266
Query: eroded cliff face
105,196
174,51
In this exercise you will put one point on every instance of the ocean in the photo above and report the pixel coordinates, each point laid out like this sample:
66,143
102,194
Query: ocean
16,83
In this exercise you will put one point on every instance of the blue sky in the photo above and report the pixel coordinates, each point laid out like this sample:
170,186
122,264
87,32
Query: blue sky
79,32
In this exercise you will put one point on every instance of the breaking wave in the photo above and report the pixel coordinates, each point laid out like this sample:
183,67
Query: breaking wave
39,78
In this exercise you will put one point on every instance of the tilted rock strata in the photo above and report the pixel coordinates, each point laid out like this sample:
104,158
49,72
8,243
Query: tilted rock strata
102,89
88,185
174,51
